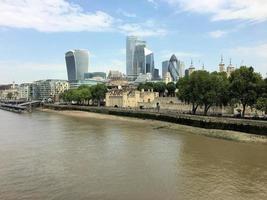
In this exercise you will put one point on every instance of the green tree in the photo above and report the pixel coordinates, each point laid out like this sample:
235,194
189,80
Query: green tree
171,87
261,103
214,90
9,95
186,92
244,86
146,86
160,87
98,92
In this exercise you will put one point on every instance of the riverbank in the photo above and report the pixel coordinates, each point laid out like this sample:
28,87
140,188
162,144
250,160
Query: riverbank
222,134
256,127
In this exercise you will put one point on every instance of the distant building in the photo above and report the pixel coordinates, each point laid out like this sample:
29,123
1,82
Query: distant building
190,70
221,65
9,91
77,62
131,43
180,68
156,74
25,91
88,82
173,68
49,89
115,75
143,78
95,75
129,97
230,69
165,65
167,78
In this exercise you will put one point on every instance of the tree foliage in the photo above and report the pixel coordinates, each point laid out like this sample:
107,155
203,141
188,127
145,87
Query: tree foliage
85,93
202,88
245,86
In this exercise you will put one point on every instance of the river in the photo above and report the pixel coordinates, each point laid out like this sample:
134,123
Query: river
53,156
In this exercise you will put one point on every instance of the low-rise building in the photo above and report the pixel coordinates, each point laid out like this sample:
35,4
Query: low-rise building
129,97
49,89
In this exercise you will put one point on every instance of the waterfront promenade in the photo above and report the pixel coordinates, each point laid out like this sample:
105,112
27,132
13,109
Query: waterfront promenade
257,127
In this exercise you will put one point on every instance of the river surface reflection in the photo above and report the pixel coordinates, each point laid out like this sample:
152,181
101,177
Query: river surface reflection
52,156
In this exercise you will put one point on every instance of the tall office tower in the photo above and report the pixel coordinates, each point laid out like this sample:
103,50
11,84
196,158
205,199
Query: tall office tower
180,68
221,65
143,61
77,62
131,43
172,68
165,65
149,61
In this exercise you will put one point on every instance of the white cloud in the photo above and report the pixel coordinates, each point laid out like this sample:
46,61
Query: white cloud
126,14
217,33
252,10
63,16
51,16
154,3
148,28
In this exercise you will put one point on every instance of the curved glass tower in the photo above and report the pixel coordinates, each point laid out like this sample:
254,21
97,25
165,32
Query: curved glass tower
77,62
172,68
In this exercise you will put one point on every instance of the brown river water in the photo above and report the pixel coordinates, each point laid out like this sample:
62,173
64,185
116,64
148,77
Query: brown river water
53,156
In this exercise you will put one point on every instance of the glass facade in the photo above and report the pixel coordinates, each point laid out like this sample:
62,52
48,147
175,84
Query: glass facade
131,43
172,68
77,62
165,65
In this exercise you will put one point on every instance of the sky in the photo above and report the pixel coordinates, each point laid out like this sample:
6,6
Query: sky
35,34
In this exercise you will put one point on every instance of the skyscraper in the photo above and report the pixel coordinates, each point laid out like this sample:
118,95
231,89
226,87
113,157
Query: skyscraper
131,43
173,68
165,65
77,62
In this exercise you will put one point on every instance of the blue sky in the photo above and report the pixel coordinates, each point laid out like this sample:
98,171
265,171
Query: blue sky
35,34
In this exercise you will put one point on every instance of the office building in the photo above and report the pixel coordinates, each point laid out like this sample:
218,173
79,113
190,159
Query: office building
165,65
173,68
95,75
143,62
77,62
131,43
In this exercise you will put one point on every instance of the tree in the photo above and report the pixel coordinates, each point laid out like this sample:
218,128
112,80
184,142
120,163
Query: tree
244,86
9,95
203,89
98,92
146,86
171,87
186,93
261,103
160,87
214,90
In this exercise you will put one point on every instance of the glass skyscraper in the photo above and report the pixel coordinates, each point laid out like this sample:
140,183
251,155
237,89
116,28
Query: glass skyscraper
173,66
131,43
77,62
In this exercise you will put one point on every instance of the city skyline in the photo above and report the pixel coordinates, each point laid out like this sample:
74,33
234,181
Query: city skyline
33,48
